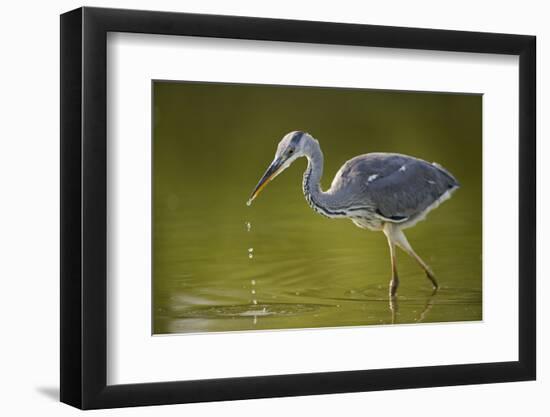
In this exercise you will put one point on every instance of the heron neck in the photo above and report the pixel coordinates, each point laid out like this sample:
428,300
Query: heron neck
315,196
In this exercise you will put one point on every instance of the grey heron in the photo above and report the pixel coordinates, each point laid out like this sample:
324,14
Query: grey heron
385,192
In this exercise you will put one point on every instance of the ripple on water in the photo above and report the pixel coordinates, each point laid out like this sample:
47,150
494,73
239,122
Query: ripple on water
247,310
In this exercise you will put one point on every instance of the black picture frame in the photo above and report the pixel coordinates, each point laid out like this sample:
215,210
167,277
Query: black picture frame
84,207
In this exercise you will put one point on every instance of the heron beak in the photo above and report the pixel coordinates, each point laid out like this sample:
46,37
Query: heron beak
273,170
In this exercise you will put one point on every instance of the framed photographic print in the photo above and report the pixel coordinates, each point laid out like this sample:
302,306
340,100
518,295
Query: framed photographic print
258,207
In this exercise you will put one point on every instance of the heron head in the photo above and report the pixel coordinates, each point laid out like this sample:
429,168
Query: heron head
291,147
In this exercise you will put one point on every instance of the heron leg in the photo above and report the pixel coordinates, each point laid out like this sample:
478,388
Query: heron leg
394,283
401,241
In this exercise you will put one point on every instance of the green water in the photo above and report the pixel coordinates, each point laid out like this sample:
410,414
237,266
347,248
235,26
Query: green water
211,144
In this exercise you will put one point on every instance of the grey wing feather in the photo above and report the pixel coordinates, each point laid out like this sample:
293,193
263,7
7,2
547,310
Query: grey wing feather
397,187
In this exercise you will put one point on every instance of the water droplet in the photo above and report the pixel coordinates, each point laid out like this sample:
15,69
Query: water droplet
249,202
250,250
253,282
250,255
248,226
253,291
254,302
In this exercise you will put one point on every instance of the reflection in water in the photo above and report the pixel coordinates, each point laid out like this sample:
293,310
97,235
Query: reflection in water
394,307
428,306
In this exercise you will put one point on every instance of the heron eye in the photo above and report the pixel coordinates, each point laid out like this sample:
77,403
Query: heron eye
291,151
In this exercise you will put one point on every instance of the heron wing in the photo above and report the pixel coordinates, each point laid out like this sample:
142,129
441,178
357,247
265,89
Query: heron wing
396,186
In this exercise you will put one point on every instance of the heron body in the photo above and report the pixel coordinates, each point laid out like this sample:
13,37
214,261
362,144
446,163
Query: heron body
378,191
